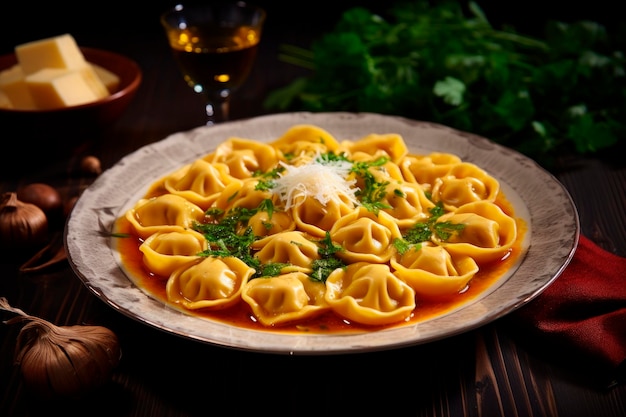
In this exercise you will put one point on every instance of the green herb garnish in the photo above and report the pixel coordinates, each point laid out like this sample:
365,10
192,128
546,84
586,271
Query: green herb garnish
328,260
228,234
271,270
446,63
374,191
424,231
266,178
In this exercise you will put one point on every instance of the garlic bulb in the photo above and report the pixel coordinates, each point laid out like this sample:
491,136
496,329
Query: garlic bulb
21,224
66,361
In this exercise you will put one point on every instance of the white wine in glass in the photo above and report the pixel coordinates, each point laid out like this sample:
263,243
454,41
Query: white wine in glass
215,46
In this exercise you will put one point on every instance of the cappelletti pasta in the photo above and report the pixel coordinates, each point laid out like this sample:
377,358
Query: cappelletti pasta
309,224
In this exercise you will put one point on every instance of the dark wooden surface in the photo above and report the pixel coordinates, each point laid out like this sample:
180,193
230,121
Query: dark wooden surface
485,372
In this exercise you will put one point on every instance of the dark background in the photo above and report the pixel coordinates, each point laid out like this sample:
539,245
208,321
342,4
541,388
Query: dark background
24,21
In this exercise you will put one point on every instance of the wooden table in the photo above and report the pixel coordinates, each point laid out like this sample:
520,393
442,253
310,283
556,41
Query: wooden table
485,372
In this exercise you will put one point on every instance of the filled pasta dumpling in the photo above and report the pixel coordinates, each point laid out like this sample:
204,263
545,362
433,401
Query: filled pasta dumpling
488,232
291,248
425,169
285,298
365,236
264,224
373,172
431,271
464,183
242,194
369,294
244,157
301,143
199,182
164,252
211,283
315,218
167,212
406,203
391,145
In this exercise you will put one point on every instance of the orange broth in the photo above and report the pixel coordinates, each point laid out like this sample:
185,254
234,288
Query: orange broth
241,315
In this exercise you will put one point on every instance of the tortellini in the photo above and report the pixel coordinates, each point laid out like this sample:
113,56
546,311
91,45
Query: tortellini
244,157
263,223
365,236
199,182
211,283
308,225
488,233
406,203
164,252
425,169
301,143
391,145
244,194
291,248
285,298
370,294
315,218
464,183
431,271
168,212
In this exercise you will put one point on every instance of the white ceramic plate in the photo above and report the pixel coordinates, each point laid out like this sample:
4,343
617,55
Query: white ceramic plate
535,194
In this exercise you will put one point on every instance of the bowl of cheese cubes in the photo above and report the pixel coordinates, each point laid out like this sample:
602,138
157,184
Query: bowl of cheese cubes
53,91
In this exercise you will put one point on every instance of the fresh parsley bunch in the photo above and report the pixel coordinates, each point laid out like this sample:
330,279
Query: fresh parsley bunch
446,64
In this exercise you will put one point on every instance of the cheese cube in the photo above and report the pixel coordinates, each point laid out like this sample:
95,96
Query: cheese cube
95,83
109,79
52,73
15,90
53,88
5,103
56,52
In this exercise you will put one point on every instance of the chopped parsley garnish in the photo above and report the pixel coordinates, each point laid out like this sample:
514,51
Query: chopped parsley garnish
270,270
328,261
374,191
437,211
444,230
228,234
264,185
420,232
266,178
224,241
402,246
328,247
424,231
268,206
330,157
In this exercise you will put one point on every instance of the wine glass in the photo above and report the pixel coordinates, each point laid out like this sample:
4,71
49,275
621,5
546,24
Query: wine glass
215,45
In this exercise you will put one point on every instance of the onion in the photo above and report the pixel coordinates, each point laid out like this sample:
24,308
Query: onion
63,361
22,225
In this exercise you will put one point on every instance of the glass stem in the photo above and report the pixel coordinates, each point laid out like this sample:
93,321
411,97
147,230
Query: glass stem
218,108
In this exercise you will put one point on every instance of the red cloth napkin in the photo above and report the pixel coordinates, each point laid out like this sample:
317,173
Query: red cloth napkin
581,317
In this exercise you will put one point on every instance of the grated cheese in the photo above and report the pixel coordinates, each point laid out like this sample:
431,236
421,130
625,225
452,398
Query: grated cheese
324,182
